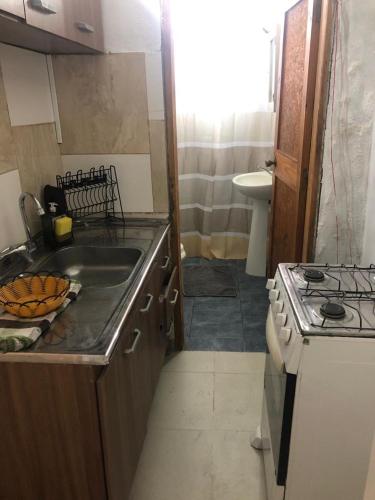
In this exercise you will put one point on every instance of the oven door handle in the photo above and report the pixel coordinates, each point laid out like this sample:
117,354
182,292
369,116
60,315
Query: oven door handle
273,343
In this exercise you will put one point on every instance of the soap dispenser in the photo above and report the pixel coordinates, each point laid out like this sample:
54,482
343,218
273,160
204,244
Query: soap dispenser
48,226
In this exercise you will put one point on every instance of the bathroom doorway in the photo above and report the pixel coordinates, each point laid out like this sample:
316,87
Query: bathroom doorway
226,58
225,71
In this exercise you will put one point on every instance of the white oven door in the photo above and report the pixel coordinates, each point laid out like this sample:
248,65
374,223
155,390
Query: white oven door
279,390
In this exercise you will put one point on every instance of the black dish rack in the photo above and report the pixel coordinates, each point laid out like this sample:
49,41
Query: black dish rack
92,193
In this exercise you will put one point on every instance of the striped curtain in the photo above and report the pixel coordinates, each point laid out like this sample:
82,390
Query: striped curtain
215,217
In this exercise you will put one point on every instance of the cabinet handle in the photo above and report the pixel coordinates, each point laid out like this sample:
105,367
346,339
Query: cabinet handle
86,28
174,300
135,342
170,332
149,302
43,6
167,261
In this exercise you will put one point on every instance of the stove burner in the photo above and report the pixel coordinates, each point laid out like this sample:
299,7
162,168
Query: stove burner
313,275
332,310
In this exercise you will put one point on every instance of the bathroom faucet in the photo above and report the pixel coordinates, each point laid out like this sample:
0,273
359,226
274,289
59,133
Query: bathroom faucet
269,166
30,244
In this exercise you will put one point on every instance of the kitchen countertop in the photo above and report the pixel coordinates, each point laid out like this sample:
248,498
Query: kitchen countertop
87,331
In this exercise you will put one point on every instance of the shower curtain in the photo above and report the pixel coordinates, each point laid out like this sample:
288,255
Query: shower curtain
224,118
215,217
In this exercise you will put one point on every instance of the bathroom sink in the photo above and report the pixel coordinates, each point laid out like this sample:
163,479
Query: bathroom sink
94,266
256,185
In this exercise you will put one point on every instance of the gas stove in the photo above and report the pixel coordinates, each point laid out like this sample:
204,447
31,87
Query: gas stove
331,300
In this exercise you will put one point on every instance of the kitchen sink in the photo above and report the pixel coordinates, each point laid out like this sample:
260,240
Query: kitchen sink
94,266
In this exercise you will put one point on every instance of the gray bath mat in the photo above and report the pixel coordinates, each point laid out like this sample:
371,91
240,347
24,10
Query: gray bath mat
208,281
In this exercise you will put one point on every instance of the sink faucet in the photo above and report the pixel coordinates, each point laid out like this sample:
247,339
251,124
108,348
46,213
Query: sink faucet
20,249
30,244
269,166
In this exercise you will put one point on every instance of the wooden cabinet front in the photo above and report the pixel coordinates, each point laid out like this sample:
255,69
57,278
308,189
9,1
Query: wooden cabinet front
14,7
76,432
48,16
123,391
76,20
85,24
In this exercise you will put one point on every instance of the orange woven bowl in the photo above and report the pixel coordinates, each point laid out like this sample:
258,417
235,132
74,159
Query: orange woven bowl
31,295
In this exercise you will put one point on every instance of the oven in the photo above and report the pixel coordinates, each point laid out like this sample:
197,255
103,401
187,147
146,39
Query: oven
277,416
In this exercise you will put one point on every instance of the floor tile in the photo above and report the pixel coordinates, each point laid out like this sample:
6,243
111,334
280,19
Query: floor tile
237,468
188,313
238,401
239,362
175,465
255,344
252,292
214,344
180,463
216,317
183,400
254,329
193,261
228,324
189,361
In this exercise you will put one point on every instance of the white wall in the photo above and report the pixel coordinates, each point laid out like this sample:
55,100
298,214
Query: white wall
351,136
11,227
131,25
368,255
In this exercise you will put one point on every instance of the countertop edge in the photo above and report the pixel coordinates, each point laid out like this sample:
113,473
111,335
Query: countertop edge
97,359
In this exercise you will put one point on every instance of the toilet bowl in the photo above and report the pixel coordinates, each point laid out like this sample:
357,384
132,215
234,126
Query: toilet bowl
183,253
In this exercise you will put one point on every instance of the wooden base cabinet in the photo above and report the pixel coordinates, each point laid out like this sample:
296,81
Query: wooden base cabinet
76,432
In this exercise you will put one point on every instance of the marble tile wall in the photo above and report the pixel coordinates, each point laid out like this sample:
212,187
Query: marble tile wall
29,155
102,103
8,159
111,108
133,174
113,105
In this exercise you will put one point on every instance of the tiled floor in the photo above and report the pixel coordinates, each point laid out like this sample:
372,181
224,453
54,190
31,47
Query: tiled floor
228,323
206,407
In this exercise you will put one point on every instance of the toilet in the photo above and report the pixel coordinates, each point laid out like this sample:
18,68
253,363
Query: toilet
183,253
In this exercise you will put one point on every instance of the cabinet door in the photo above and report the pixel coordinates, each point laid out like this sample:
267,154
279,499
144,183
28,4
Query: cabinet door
14,7
153,323
170,297
86,24
124,398
51,16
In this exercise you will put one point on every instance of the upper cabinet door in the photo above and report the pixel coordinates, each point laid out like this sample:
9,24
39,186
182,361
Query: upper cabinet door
47,15
76,20
86,23
15,7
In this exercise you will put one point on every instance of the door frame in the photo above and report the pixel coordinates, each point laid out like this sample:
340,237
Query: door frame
322,87
167,51
319,113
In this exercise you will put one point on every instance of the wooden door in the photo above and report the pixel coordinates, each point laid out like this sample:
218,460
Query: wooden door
14,7
296,91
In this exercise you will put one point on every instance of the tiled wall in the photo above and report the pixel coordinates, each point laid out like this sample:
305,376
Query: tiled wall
29,155
111,109
112,106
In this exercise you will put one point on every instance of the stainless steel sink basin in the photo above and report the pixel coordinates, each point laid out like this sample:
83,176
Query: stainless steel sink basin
95,266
